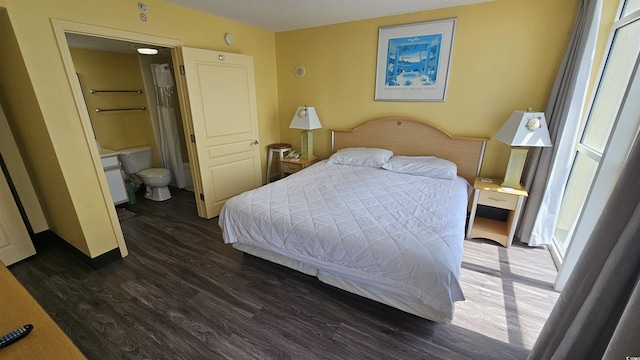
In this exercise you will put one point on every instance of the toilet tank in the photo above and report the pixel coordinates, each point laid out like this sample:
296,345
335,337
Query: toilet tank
135,159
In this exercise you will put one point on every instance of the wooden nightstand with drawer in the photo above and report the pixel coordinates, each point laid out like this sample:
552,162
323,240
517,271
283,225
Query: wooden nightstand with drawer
488,192
291,166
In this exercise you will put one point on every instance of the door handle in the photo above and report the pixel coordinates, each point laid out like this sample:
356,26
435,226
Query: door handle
255,142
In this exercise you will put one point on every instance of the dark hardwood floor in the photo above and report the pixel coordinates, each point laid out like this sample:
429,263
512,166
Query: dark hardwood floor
182,294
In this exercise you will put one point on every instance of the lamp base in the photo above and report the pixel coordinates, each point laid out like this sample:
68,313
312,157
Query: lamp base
306,145
512,176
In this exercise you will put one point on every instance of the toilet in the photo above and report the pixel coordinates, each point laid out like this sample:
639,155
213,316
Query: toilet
138,161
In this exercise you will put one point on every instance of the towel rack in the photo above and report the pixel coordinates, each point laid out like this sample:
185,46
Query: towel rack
93,91
121,109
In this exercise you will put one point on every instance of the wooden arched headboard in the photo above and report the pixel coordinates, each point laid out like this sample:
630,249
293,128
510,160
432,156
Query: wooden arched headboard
411,137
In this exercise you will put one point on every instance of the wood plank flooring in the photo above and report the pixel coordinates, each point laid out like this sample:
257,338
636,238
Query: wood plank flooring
183,294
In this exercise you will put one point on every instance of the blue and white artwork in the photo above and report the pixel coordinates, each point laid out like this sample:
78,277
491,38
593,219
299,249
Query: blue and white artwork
413,61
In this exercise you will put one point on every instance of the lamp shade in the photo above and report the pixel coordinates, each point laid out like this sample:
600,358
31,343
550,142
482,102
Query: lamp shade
305,118
525,129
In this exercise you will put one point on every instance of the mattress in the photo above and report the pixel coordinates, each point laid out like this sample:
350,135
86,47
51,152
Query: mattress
394,236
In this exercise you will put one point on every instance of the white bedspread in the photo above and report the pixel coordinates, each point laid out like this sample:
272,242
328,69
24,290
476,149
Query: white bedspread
398,234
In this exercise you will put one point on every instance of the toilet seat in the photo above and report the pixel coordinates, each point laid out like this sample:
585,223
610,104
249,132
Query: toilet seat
156,180
155,172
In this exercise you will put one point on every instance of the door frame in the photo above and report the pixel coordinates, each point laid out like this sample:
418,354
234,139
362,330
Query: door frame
187,124
60,27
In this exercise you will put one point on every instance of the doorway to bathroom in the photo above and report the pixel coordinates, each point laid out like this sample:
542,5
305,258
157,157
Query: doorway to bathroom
220,122
132,101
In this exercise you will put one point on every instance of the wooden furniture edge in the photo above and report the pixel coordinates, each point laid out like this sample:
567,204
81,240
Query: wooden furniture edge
421,122
18,308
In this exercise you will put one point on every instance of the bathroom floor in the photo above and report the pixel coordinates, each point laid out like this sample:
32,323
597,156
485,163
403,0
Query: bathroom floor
124,214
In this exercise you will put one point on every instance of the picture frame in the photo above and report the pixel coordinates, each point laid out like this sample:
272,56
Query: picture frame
414,61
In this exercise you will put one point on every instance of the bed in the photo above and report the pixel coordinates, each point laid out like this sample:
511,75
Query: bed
384,234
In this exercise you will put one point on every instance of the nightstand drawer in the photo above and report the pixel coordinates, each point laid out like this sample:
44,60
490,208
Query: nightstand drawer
291,168
499,200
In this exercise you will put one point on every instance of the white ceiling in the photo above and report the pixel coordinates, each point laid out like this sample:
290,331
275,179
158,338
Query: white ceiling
284,15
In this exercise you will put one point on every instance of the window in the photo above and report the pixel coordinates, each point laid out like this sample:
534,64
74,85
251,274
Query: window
630,6
611,126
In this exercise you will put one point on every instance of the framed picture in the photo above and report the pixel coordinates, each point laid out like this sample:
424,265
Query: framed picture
413,61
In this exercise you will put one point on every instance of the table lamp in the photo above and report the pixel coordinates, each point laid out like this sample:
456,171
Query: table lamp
522,130
306,119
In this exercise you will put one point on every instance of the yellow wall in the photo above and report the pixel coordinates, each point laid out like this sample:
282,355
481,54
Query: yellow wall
103,70
20,177
44,116
32,138
506,54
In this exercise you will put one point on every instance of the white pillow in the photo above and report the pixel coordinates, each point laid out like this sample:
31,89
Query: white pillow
371,157
429,166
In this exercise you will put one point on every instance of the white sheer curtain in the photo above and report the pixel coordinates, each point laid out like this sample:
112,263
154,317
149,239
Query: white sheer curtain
169,136
598,312
548,168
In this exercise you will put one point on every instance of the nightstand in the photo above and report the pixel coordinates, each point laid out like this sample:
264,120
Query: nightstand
291,166
488,192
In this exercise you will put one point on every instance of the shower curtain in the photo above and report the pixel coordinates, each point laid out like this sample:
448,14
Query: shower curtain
169,136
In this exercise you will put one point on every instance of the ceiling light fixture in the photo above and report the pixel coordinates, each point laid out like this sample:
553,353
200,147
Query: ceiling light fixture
147,51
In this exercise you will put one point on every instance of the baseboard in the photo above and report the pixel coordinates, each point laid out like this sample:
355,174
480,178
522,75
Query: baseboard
96,262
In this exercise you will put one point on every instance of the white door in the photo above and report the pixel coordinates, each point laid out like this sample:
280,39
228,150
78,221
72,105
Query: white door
222,101
15,243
